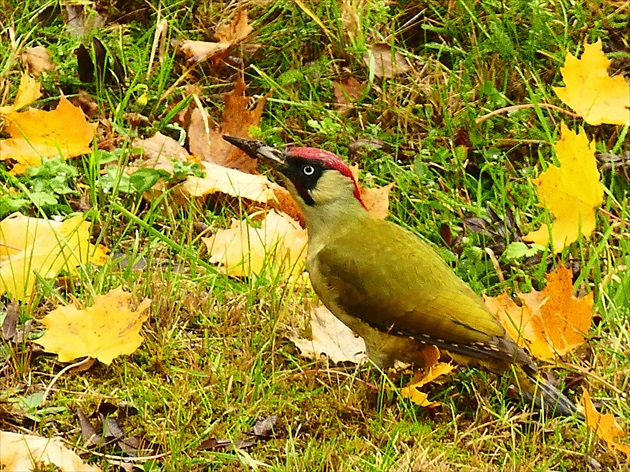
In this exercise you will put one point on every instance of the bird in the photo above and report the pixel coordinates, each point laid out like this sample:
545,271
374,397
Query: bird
389,286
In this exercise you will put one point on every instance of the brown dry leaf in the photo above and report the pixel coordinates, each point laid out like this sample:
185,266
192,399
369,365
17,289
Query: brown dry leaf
549,323
330,338
346,92
160,148
420,379
26,452
605,426
387,63
571,192
27,93
243,251
227,34
591,92
231,182
104,331
37,60
376,200
207,143
37,133
30,246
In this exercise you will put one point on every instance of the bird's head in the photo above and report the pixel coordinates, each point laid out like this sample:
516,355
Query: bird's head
317,179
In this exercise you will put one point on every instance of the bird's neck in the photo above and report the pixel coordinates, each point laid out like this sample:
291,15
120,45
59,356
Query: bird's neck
325,221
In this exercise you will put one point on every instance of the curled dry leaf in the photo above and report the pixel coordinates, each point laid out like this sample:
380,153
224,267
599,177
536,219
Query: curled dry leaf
227,34
330,338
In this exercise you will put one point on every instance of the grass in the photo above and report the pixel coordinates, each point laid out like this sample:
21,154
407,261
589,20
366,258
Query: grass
215,356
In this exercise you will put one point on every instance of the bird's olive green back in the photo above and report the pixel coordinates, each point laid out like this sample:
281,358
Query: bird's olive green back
400,283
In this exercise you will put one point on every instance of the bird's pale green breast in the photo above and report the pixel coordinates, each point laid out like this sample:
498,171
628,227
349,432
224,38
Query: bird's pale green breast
388,277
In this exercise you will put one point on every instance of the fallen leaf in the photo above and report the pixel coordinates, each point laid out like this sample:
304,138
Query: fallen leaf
605,426
160,148
37,133
30,246
346,92
387,63
549,323
571,192
26,452
206,141
243,251
227,34
107,329
37,60
264,427
230,182
420,379
591,92
28,91
376,200
330,338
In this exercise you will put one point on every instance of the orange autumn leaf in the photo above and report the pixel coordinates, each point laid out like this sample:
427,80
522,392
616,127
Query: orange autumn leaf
107,329
550,322
605,426
591,92
37,133
571,192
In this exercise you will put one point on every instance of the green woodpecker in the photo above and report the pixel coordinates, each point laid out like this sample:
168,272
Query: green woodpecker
386,284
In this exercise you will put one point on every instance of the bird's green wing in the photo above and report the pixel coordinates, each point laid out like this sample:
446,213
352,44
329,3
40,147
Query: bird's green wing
400,284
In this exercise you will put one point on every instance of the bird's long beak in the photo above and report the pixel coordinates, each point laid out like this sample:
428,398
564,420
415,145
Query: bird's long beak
273,157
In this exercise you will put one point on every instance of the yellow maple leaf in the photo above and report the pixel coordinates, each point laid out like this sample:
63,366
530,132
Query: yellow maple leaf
570,192
107,329
605,426
279,243
591,92
550,322
27,93
420,379
30,246
37,133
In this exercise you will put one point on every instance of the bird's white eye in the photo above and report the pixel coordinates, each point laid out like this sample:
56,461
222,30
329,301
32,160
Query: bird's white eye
308,170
